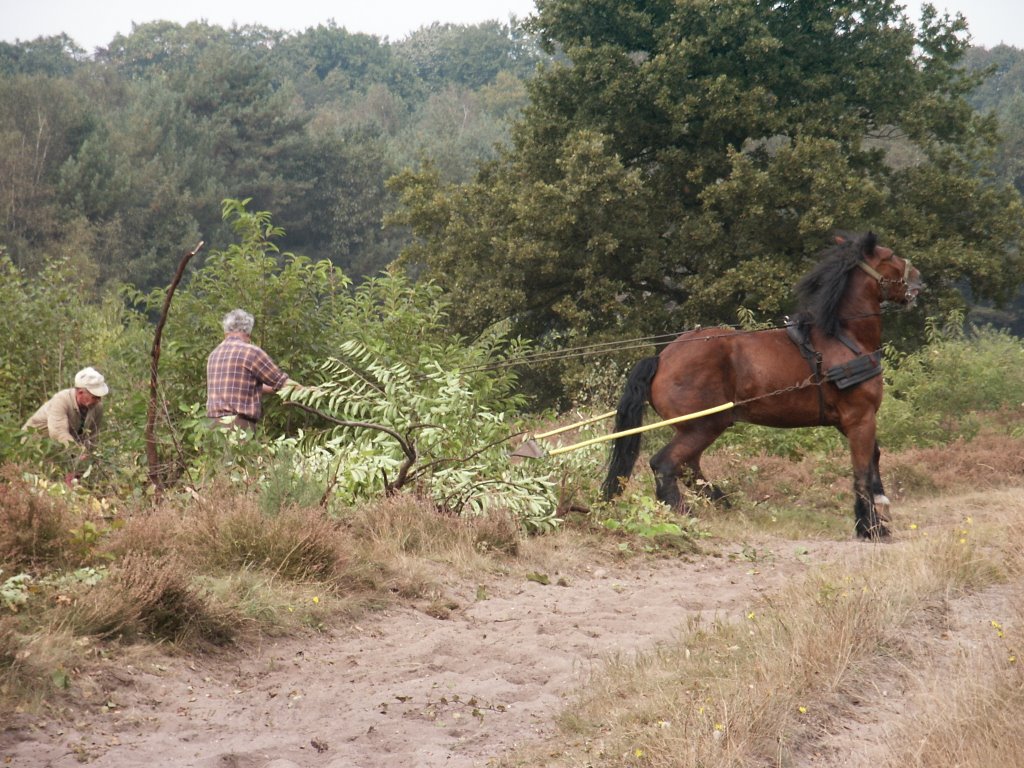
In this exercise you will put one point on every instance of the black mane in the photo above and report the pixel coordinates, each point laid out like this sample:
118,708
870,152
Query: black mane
820,290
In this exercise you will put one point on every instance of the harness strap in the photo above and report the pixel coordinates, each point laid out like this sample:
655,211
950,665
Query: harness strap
845,375
798,331
882,280
870,270
846,342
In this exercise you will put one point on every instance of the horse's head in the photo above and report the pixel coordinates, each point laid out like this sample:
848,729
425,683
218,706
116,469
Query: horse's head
898,280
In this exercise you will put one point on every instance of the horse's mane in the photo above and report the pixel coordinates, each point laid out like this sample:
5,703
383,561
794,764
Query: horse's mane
820,290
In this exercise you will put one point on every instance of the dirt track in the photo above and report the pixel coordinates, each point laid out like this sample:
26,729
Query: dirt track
403,689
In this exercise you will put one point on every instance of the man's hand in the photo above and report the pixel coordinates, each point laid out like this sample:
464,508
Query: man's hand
291,387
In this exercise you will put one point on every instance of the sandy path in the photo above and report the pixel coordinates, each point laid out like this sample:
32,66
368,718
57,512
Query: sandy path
402,688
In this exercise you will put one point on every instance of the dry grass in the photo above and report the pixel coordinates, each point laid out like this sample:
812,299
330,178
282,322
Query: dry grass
967,716
765,691
33,664
33,527
968,683
772,689
148,597
812,497
217,569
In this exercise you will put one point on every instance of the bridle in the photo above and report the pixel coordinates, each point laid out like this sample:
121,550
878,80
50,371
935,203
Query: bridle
885,282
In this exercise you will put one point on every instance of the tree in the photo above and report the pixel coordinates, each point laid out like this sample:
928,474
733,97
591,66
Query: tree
296,301
53,56
468,55
689,158
44,120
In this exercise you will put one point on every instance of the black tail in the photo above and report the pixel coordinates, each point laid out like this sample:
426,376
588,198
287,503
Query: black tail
630,415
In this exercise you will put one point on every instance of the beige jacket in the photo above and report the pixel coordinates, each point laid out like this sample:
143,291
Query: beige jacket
61,417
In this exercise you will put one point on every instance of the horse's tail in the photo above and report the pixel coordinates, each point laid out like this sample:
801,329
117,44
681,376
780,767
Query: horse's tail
629,415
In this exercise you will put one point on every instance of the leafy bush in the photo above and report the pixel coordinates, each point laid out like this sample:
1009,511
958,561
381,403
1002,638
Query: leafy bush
50,327
934,395
298,305
753,440
442,427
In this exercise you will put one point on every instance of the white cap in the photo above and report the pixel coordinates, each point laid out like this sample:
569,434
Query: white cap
92,380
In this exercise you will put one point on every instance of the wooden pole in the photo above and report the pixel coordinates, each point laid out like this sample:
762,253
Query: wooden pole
152,459
600,417
644,428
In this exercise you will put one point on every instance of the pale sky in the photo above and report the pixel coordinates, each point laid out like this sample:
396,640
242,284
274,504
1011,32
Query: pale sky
93,23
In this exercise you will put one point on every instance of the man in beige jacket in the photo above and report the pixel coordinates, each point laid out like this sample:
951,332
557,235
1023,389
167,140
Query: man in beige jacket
73,415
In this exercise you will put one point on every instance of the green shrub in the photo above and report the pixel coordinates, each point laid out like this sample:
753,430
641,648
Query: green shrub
754,440
934,395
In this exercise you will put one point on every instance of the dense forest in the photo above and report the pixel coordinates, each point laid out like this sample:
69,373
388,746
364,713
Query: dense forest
120,159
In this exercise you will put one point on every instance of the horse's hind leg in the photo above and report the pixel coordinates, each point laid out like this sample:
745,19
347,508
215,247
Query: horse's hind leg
681,458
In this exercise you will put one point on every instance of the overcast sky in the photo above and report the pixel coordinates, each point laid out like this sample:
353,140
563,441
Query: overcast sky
93,23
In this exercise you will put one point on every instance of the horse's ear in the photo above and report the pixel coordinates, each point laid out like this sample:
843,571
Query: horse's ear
870,242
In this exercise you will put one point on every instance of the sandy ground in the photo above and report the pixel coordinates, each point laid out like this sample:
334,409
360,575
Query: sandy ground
402,688
405,690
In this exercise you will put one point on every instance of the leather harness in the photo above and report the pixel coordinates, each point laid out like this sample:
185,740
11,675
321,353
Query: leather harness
845,375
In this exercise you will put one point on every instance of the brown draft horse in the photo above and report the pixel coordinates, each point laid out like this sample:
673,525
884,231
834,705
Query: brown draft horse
833,379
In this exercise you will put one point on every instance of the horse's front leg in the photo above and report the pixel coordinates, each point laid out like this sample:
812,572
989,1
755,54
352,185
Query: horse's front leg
882,503
867,483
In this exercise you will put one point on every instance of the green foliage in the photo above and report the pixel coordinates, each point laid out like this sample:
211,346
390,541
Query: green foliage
467,55
381,354
933,395
297,304
28,376
691,158
121,160
658,526
441,422
14,591
752,440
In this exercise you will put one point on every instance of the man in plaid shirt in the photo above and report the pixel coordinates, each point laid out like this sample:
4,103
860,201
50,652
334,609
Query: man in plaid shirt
238,374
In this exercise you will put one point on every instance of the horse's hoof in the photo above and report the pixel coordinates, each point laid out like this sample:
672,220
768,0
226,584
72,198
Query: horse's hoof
876,532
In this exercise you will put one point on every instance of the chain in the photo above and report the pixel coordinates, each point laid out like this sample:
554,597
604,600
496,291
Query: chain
810,381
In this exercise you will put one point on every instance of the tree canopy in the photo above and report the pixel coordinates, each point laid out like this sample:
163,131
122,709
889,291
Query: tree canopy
122,158
679,161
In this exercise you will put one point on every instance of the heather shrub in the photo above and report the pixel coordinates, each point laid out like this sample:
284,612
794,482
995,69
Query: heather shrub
298,543
151,597
34,525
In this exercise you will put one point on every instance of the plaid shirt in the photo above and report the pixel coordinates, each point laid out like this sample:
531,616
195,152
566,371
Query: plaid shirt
235,373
